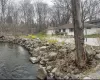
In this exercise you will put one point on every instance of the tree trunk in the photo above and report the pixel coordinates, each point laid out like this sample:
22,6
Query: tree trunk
78,34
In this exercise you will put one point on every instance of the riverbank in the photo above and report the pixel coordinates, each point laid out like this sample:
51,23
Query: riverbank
56,60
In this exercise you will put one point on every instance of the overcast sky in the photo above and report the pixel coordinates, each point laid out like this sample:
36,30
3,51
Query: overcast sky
49,2
46,1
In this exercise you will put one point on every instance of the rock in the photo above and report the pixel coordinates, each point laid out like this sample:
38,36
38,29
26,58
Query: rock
66,77
43,61
50,78
72,47
76,71
43,48
62,50
97,56
59,74
37,49
86,78
35,45
90,50
98,51
58,45
97,67
30,48
72,56
35,52
54,70
34,60
49,67
2,37
51,75
69,75
73,77
42,74
52,55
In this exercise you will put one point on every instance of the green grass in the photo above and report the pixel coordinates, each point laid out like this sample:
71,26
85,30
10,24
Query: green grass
93,36
52,41
41,35
34,36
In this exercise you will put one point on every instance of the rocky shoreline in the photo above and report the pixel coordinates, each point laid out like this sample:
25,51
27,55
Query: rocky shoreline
56,61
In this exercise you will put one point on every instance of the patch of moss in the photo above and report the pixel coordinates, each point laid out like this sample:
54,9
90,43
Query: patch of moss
52,41
63,42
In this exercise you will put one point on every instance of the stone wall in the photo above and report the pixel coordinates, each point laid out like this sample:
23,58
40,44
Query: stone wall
56,61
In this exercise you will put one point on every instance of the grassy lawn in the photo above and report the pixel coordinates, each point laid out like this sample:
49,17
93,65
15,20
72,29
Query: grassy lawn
54,38
93,36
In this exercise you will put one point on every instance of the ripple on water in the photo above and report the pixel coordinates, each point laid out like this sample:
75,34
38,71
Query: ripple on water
14,63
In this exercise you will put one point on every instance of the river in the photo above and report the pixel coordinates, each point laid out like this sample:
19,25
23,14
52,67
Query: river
14,63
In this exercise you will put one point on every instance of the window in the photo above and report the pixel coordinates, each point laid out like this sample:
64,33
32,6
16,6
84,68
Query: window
64,30
59,30
88,27
71,29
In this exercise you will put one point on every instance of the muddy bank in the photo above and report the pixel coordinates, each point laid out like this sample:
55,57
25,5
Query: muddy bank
57,61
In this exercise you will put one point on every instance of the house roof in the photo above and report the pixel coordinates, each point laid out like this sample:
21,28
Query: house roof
67,26
94,21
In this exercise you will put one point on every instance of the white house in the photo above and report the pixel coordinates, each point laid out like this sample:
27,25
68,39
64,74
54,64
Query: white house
69,29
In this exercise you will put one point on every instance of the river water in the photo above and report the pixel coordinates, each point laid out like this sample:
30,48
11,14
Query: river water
14,63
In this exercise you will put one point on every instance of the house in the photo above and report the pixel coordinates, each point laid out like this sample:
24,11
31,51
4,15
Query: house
69,29
96,22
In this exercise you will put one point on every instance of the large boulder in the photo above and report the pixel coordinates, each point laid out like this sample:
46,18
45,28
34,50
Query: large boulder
54,70
97,56
43,48
70,47
34,60
98,51
87,78
35,52
42,73
90,51
97,67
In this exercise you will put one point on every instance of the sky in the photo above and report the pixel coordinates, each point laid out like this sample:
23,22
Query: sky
49,2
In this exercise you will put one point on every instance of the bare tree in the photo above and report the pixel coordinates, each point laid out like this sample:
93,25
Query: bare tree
90,9
3,9
61,12
41,13
78,34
